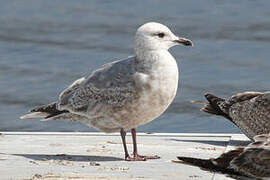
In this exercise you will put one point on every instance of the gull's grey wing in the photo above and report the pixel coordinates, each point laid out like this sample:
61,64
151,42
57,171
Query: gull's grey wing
252,116
111,86
68,92
52,111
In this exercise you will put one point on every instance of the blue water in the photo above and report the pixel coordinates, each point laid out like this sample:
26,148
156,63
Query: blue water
46,45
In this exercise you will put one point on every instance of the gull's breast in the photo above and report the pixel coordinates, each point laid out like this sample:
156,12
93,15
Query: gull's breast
156,92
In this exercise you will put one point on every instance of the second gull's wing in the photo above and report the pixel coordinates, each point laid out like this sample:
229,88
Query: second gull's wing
253,116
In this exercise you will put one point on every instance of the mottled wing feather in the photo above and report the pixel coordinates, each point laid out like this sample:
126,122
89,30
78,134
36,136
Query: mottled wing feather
112,85
252,116
253,162
68,92
223,161
262,137
238,98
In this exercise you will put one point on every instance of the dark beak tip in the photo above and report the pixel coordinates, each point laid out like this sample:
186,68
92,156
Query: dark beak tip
185,42
188,43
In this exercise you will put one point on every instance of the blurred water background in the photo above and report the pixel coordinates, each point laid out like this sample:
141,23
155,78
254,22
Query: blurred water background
46,45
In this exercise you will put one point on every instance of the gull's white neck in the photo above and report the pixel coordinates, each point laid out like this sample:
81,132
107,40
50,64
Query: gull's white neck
159,68
153,59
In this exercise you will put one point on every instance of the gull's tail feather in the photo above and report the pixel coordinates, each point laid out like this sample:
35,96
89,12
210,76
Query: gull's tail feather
220,164
203,163
44,112
214,106
40,115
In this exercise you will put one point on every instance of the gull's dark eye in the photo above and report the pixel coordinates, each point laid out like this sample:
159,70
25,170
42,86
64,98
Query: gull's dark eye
161,35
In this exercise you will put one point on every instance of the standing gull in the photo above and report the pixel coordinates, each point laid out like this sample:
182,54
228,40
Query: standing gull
249,111
124,94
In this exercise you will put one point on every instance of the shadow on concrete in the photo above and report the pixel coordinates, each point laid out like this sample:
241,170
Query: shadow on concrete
66,157
239,143
211,142
216,142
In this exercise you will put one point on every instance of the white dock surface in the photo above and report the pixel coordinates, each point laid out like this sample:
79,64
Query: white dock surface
59,156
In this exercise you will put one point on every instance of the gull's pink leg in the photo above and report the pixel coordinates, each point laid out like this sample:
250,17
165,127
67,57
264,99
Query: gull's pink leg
127,157
123,136
138,157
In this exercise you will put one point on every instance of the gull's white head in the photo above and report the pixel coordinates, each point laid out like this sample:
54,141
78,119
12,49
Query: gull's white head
155,36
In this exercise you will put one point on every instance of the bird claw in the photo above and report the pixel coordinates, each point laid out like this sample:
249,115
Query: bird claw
135,158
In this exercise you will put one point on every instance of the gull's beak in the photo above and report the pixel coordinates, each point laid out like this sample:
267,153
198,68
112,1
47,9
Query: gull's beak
183,41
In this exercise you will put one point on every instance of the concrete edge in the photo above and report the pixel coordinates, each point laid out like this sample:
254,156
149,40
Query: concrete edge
117,134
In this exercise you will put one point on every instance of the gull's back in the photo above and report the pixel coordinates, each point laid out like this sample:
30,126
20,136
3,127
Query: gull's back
102,94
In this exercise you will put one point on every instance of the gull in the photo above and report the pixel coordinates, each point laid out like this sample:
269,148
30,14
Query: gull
249,111
252,161
124,94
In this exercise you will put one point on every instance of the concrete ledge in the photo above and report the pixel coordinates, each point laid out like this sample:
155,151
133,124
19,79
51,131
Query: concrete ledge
57,155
